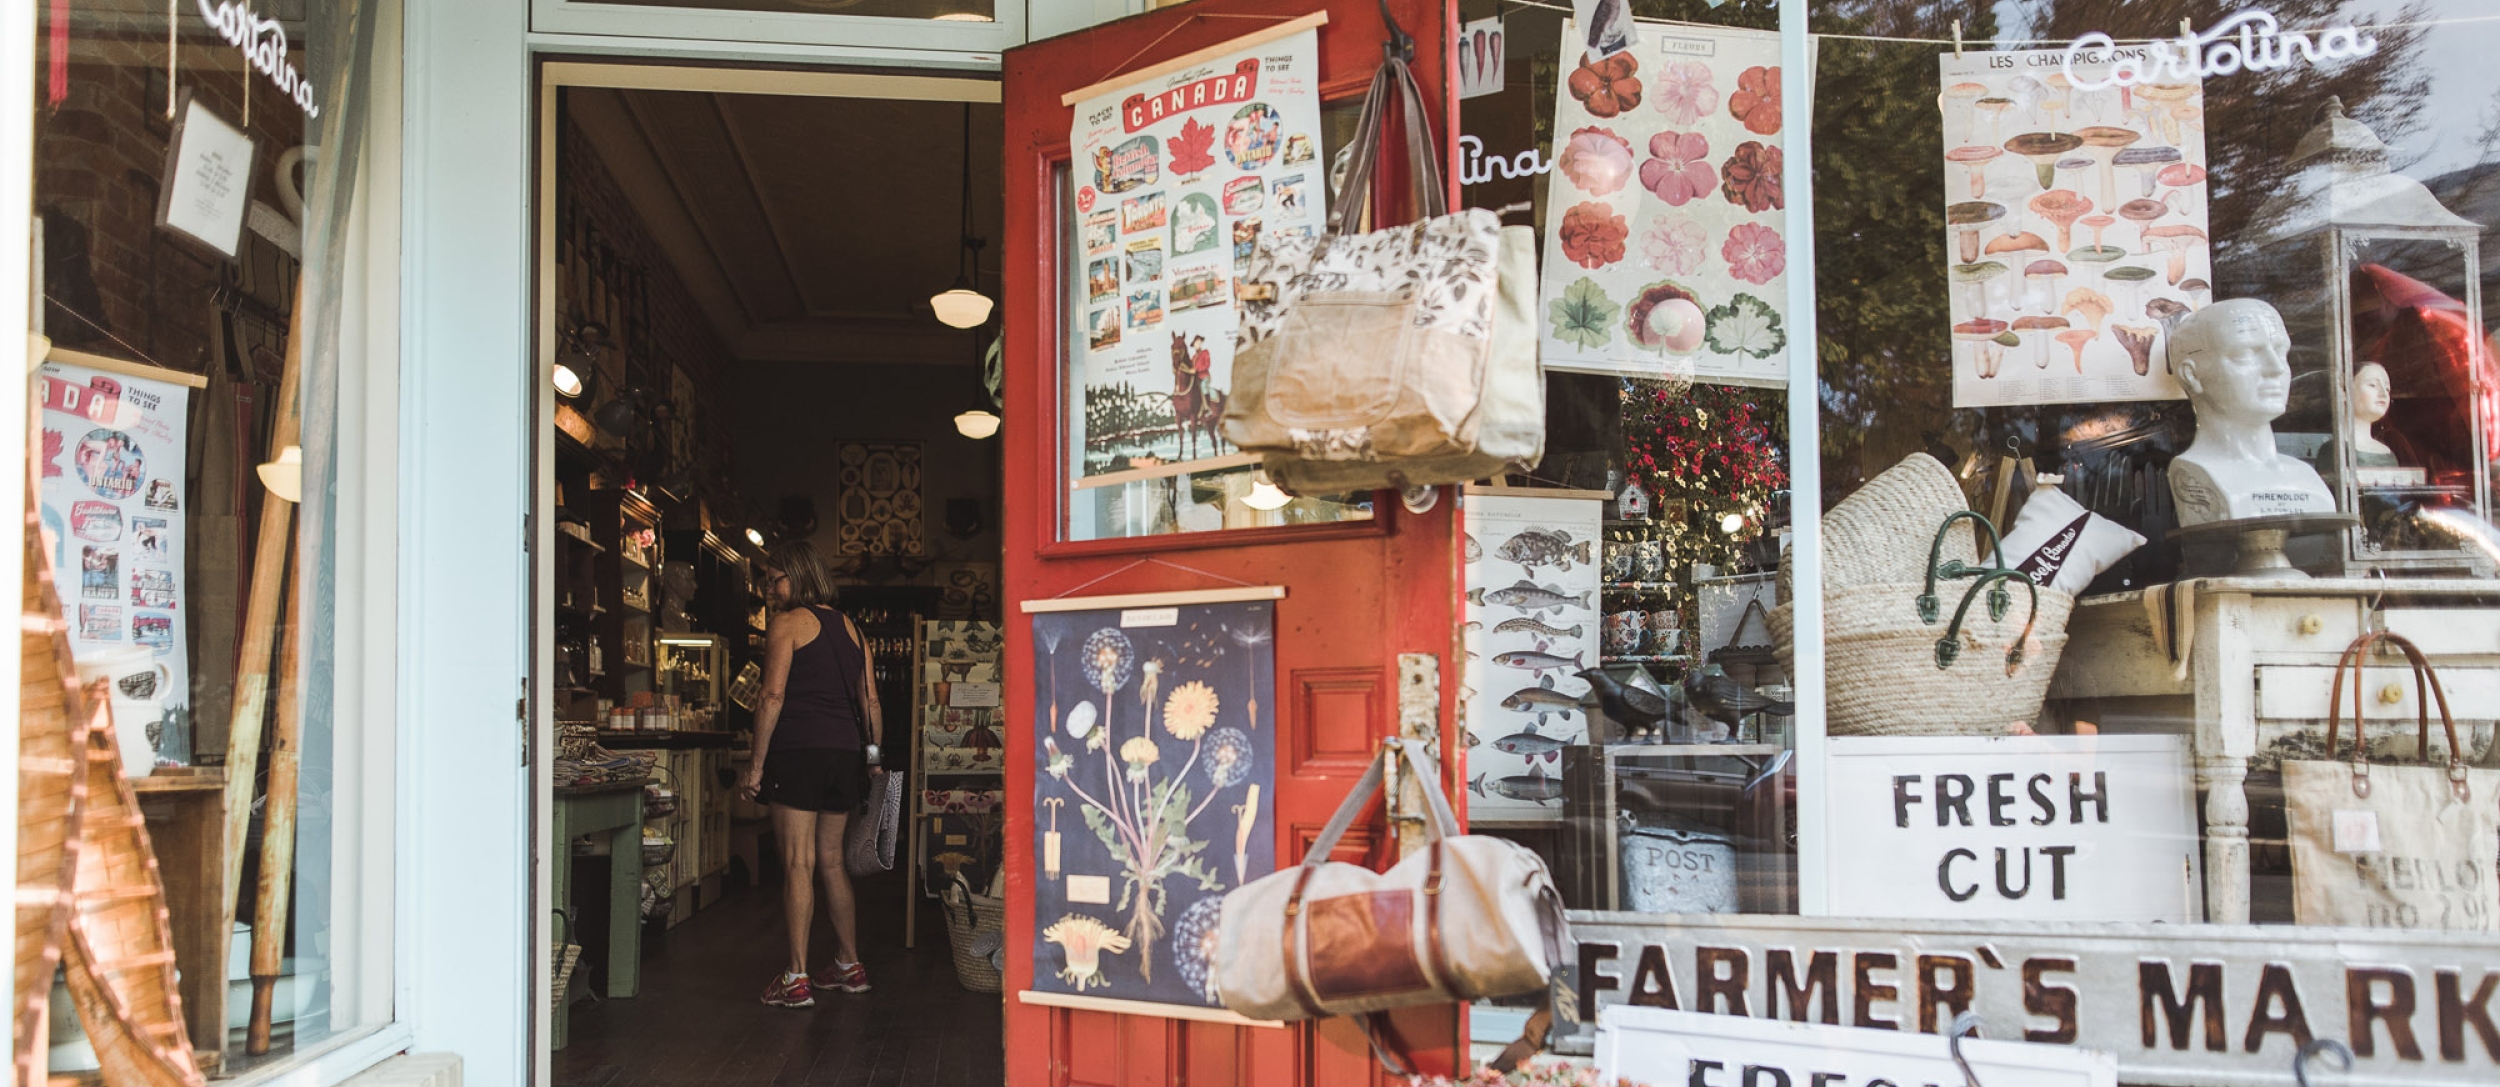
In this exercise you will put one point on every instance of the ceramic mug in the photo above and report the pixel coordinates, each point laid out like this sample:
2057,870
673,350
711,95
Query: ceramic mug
1665,641
1618,561
1625,631
1649,561
139,685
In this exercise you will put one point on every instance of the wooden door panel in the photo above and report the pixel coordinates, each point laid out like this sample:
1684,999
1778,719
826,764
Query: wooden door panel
1357,595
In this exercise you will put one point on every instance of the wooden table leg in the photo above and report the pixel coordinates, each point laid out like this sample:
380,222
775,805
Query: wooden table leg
2226,838
625,911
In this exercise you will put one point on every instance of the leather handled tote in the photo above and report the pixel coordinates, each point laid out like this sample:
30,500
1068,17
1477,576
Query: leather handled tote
877,824
2392,847
1399,357
1468,917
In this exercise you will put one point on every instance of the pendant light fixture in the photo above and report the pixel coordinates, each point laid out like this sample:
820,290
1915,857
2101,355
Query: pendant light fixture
960,306
1265,496
978,421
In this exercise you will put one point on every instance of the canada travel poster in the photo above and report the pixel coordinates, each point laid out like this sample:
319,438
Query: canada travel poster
1178,176
1156,792
111,461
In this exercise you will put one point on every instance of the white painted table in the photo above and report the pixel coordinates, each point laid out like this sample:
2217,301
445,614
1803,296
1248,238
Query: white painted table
2258,671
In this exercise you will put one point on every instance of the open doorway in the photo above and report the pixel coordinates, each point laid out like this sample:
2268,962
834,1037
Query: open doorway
744,350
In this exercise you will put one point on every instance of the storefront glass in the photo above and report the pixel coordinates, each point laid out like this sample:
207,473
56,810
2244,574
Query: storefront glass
2193,331
199,235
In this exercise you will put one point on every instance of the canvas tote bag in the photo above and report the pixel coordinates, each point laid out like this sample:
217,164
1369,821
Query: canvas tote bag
2406,847
1394,358
1468,917
868,843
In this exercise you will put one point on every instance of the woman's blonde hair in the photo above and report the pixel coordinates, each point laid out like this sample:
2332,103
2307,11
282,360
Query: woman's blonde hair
810,584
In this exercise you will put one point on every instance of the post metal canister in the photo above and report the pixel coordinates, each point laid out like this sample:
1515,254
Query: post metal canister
1678,868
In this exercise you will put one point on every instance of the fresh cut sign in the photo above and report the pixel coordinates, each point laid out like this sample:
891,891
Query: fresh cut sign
2081,828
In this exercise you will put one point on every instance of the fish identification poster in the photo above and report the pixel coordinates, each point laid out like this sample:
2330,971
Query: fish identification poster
1177,177
1532,617
1155,793
112,463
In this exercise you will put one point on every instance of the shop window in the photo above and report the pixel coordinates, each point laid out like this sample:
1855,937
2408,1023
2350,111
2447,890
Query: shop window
2202,346
202,274
963,11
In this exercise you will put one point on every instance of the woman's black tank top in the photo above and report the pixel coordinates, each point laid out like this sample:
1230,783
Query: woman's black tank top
819,700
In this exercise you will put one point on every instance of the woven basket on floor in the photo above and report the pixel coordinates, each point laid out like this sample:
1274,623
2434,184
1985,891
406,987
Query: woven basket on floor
968,917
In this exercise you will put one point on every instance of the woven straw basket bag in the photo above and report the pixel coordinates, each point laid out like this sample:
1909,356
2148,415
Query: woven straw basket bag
1908,650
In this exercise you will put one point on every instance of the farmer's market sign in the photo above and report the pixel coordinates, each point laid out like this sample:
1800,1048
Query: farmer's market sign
2180,1006
2249,41
263,42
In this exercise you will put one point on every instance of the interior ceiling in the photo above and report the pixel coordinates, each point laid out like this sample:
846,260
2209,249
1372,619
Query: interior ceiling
808,229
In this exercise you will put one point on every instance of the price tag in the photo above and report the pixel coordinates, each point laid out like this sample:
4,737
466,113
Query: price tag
2356,831
978,696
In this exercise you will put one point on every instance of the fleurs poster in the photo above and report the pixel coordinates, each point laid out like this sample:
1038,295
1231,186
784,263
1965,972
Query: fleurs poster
1532,626
112,469
1155,794
1177,176
1666,231
2075,226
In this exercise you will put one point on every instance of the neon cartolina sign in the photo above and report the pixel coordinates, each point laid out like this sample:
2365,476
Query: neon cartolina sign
263,42
2251,41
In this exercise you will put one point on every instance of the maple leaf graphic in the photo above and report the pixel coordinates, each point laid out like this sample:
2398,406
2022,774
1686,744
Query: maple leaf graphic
51,450
1193,150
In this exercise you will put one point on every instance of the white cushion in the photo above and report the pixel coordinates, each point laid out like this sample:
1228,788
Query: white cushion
2062,545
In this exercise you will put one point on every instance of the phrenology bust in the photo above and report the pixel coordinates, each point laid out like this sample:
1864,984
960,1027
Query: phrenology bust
2233,358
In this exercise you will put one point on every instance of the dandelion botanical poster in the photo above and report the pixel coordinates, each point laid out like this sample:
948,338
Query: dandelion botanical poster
1155,793
1666,231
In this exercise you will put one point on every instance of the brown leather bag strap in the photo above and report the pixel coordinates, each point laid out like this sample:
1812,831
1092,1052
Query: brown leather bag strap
1297,973
1531,1038
2426,692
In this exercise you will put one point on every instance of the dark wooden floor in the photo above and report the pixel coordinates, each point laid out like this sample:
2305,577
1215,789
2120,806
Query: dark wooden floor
698,1020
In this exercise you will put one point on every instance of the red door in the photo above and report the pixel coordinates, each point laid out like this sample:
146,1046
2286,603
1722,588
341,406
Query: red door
1358,594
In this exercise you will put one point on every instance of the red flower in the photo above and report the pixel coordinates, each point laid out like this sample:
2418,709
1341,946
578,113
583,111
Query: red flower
1607,87
1757,100
1751,177
1593,234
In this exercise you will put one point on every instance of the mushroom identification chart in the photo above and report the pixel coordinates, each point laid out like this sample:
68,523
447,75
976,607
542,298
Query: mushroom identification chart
2075,225
1666,232
1177,177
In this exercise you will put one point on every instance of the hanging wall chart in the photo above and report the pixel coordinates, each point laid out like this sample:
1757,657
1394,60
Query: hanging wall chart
111,467
1155,788
1178,174
2075,226
1666,231
1531,628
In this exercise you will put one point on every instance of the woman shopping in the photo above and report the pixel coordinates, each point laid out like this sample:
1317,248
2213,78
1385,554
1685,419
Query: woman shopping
816,731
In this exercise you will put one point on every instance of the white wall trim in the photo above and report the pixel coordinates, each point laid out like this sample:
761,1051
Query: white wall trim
464,580
17,210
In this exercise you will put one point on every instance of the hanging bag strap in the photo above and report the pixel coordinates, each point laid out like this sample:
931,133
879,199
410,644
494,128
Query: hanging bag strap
853,685
1441,823
1393,79
2426,690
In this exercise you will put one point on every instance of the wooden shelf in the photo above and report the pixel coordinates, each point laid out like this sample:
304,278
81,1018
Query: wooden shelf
594,545
186,779
1637,586
1637,658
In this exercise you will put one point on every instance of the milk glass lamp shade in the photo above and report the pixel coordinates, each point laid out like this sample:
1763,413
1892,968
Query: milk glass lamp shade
977,423
285,476
961,307
568,380
1265,496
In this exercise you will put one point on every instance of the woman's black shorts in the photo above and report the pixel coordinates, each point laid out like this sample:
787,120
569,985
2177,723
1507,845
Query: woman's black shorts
815,779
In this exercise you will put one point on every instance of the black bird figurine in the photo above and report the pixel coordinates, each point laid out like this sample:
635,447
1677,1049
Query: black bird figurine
1726,701
1639,706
